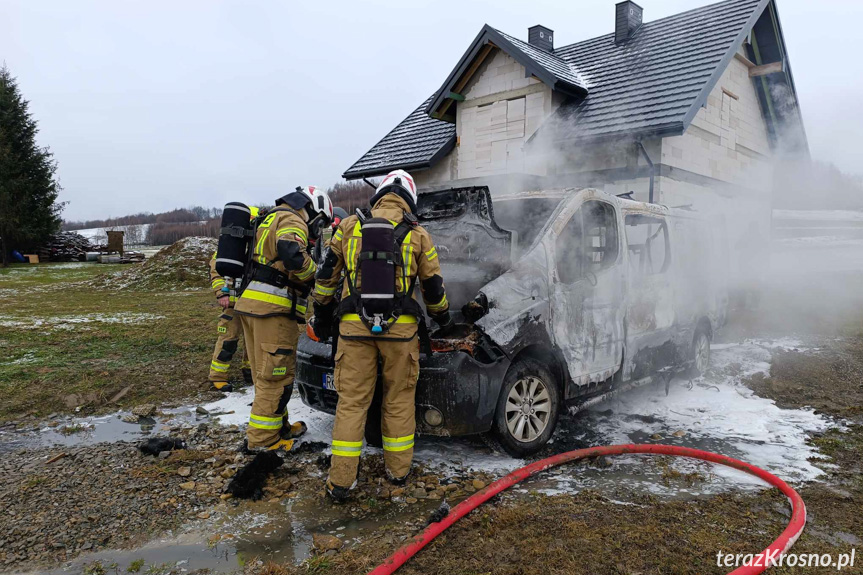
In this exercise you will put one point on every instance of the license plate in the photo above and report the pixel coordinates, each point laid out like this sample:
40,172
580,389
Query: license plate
328,382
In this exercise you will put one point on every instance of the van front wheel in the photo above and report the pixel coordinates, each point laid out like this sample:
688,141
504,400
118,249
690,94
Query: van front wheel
700,353
527,408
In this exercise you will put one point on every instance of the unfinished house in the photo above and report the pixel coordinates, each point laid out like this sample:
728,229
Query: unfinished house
694,110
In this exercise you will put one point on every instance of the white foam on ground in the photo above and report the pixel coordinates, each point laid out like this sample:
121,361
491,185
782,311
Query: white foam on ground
719,413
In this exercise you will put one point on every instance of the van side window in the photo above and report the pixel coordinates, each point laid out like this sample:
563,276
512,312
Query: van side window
588,243
647,239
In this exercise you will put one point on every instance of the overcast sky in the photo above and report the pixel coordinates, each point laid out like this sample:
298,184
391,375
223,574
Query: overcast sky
152,105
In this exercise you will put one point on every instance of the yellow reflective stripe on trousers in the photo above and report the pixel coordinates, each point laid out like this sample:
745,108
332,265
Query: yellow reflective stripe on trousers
219,366
262,422
401,319
347,448
398,443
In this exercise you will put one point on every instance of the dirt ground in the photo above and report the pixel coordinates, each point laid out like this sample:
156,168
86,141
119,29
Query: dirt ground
72,344
592,533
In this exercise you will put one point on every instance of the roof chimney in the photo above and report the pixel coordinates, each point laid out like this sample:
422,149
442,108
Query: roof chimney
627,19
541,37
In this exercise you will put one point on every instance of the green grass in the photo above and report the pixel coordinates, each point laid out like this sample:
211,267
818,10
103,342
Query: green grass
52,364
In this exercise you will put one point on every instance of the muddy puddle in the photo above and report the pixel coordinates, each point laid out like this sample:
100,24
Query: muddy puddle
258,531
715,412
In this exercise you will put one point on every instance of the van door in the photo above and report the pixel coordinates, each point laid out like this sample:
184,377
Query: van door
650,314
588,292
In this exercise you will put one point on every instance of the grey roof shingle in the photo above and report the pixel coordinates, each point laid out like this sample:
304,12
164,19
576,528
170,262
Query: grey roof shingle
649,85
415,143
560,68
653,81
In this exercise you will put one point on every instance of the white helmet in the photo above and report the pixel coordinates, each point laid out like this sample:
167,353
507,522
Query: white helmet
398,182
317,204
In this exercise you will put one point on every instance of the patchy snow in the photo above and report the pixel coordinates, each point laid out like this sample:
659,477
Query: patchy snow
96,235
818,242
818,215
70,322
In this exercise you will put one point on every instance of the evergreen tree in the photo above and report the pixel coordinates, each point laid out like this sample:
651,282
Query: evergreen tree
29,211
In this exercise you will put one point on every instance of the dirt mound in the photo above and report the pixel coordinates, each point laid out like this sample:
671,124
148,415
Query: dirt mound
180,266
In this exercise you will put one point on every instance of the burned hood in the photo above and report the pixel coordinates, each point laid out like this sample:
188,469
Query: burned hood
473,249
518,304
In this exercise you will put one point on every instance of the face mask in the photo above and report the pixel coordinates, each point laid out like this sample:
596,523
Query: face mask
317,225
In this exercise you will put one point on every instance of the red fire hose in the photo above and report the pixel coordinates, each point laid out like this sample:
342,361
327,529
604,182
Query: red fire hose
779,546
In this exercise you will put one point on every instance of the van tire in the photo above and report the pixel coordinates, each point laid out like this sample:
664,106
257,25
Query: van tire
700,352
527,408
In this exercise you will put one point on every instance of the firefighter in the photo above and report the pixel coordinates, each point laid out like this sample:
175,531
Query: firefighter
272,304
368,331
229,332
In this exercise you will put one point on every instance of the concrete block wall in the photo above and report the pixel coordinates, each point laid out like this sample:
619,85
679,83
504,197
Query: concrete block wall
727,139
502,108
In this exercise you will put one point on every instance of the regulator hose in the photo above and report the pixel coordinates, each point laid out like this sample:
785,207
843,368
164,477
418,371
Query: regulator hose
781,545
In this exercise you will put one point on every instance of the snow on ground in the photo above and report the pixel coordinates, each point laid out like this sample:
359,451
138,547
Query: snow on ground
716,412
69,322
96,235
815,242
818,215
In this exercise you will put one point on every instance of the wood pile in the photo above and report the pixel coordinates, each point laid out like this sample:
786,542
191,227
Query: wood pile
65,247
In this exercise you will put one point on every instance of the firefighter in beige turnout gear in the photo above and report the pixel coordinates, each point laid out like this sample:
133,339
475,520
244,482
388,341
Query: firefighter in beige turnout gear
358,349
229,331
272,304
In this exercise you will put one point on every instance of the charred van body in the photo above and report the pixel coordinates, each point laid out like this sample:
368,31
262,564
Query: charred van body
565,298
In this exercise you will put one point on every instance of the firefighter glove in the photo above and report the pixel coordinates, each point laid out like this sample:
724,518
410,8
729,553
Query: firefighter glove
446,326
323,321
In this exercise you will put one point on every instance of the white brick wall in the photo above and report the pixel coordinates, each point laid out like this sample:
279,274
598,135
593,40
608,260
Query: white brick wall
728,138
491,136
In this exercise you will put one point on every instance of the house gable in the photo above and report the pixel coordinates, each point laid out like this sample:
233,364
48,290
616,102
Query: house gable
552,71
651,87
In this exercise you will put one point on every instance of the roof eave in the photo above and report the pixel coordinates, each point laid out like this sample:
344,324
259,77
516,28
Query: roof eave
660,131
445,149
701,99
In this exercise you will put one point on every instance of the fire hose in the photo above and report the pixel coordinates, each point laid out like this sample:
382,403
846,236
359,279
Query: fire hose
781,545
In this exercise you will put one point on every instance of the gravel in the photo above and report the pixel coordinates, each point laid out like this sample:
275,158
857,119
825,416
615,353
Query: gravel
107,495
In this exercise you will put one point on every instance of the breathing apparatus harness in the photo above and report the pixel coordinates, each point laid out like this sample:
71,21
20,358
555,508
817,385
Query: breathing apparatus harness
264,272
377,303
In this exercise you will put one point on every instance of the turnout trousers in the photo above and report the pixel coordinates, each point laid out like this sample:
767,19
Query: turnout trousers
355,376
272,345
230,330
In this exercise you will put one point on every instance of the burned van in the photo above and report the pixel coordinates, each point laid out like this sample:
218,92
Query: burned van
562,298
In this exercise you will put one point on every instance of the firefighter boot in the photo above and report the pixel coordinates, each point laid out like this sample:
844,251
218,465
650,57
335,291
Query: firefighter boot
222,386
293,430
339,494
